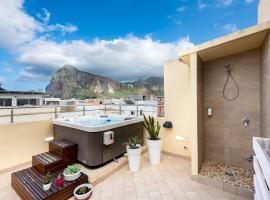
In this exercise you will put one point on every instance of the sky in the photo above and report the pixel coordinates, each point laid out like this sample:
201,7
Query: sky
122,39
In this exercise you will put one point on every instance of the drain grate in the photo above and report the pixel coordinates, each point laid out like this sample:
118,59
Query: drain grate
228,173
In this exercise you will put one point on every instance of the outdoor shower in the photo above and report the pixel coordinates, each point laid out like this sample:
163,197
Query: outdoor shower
229,75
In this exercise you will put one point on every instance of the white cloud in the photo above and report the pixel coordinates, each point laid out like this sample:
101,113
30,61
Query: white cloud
201,5
9,69
225,2
45,17
123,58
68,28
28,73
229,28
181,9
249,1
18,28
2,79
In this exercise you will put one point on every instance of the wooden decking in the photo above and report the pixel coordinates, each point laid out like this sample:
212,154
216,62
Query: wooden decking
28,182
47,162
28,185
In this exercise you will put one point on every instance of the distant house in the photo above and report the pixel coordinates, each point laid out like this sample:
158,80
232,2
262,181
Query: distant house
51,101
20,98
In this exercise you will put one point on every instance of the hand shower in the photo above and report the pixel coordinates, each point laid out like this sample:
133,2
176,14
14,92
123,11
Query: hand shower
229,72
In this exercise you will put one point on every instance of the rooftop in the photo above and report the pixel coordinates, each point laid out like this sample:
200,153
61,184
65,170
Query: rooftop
168,181
230,44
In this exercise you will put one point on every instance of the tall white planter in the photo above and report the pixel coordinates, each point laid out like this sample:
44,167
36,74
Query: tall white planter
154,149
134,158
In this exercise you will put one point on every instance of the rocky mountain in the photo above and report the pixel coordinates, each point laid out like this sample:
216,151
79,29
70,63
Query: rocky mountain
154,84
70,82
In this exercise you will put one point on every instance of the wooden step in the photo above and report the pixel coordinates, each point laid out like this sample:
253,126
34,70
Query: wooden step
47,162
28,185
65,149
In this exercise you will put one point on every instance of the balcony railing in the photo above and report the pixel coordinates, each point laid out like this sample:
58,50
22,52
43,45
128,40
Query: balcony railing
37,113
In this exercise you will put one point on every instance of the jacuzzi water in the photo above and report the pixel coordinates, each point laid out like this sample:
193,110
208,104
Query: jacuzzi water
98,121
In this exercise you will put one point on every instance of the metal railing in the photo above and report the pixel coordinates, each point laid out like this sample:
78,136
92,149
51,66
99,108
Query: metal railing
30,113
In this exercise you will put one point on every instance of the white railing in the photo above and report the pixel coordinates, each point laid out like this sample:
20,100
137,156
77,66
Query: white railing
37,113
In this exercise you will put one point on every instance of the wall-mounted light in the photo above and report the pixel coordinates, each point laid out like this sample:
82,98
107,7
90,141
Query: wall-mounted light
48,139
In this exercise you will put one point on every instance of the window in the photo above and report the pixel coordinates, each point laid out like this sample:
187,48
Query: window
33,102
23,102
5,102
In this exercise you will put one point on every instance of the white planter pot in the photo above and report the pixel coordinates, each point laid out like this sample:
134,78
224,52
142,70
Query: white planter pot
154,150
72,177
86,195
47,186
134,158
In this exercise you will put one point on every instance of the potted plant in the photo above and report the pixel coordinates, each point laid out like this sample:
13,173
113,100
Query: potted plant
83,191
47,181
154,142
134,153
72,172
59,181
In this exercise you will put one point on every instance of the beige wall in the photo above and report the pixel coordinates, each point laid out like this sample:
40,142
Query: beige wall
196,89
200,112
265,88
19,141
263,11
177,108
226,139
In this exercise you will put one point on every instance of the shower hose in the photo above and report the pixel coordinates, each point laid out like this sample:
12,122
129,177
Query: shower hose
229,71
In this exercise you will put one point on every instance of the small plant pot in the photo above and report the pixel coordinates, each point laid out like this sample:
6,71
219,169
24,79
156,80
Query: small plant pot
59,182
72,177
154,150
46,187
134,158
86,195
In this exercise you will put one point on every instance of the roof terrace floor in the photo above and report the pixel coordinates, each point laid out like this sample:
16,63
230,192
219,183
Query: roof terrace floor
169,180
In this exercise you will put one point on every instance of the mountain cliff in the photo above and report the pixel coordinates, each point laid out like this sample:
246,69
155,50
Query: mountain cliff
70,82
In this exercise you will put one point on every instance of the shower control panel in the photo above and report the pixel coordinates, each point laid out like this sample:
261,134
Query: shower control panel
209,112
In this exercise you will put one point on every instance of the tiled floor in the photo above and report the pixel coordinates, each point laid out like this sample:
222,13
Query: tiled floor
169,180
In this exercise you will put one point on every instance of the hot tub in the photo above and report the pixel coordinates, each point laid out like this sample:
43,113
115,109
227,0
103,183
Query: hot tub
99,138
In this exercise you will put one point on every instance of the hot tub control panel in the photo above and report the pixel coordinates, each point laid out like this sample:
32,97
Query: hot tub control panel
108,137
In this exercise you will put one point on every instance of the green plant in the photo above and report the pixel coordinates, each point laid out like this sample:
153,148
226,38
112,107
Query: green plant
82,190
152,127
72,169
47,178
132,142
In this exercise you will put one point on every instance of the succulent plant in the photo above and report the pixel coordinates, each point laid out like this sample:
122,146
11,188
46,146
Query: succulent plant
47,178
132,142
82,190
72,169
152,127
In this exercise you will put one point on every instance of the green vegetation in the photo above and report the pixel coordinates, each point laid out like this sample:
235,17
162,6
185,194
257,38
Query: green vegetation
152,128
72,169
82,190
83,93
132,142
47,179
122,92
